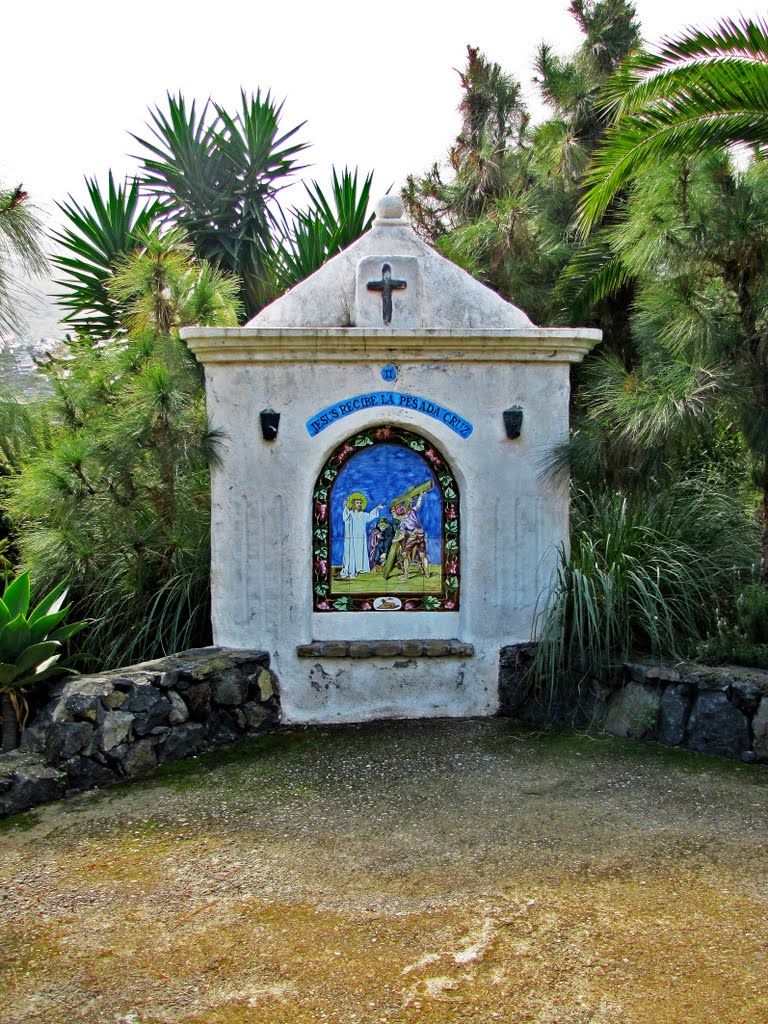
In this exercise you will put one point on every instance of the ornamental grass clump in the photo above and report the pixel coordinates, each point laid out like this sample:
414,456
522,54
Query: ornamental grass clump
30,646
645,575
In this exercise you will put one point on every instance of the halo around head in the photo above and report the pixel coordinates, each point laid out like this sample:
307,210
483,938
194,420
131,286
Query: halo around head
357,496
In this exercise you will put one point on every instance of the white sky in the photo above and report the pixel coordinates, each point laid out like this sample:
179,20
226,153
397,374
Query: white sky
375,82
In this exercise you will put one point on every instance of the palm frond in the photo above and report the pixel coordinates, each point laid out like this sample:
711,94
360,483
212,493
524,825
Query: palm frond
702,90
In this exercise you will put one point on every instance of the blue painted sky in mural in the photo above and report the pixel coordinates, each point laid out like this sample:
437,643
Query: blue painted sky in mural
382,473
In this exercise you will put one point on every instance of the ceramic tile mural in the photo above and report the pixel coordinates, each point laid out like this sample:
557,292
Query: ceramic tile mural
386,526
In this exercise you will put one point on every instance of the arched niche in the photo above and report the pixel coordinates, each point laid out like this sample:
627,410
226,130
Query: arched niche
386,526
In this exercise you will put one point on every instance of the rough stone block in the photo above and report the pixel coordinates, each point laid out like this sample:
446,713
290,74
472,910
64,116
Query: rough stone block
633,711
674,710
412,648
198,699
179,712
140,758
115,728
255,714
359,649
141,698
387,648
114,700
716,726
267,684
515,688
157,713
636,671
82,706
123,682
229,688
760,730
65,739
745,695
222,728
183,741
435,648
334,649
663,674
84,773
33,737
33,784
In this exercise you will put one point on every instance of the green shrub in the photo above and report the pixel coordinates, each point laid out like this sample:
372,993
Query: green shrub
644,575
742,638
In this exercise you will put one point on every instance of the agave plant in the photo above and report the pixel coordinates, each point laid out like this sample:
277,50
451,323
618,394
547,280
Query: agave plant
30,646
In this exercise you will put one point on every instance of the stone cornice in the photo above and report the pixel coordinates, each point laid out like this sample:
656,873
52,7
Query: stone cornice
359,345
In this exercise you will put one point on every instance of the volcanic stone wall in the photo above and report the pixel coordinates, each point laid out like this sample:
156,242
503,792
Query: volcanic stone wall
712,710
118,725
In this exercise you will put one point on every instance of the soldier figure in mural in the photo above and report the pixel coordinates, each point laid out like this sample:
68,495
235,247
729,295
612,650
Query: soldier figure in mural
356,521
380,542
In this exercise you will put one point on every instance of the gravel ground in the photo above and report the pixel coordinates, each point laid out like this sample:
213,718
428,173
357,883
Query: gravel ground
417,871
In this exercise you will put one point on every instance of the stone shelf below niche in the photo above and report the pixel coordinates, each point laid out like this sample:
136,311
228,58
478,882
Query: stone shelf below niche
385,649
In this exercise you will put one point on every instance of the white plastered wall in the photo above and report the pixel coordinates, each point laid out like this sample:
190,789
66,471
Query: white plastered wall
512,521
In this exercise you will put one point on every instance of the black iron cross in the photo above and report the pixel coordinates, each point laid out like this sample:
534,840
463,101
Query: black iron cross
386,286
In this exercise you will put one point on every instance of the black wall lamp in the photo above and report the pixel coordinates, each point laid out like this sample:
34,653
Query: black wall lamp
270,420
513,421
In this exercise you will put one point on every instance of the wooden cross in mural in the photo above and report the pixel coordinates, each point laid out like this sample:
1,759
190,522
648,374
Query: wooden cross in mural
386,286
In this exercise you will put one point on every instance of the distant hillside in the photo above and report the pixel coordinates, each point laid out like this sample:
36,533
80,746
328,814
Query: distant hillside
42,334
41,312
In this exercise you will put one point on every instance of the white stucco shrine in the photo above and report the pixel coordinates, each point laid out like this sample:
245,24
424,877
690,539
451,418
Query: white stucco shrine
380,520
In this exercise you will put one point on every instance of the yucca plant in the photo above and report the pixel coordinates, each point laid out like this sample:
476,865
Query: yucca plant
217,175
30,646
95,237
324,229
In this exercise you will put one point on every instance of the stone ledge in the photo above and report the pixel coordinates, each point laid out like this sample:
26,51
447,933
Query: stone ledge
385,649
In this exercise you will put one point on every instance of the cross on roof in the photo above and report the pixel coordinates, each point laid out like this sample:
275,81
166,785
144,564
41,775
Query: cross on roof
386,286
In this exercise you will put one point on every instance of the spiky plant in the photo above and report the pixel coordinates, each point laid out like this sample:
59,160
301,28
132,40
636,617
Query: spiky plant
216,175
96,236
118,494
328,225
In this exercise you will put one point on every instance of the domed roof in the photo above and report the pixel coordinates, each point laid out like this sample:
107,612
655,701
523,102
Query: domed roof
390,279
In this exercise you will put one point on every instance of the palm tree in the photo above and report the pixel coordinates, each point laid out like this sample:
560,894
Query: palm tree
700,91
20,250
503,209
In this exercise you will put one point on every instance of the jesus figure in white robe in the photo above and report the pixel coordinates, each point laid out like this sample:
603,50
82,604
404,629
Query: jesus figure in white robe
356,558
